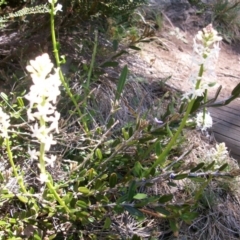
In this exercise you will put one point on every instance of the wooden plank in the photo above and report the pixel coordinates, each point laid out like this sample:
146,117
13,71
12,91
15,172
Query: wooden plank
226,126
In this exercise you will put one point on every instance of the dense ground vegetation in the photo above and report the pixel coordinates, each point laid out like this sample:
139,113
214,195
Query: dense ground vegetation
87,151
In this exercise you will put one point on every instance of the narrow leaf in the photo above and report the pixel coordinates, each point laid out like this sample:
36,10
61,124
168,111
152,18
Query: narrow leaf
158,148
140,196
135,48
107,223
115,45
84,190
134,212
110,64
165,198
98,153
22,198
180,176
224,166
209,167
121,83
131,190
236,90
199,166
113,180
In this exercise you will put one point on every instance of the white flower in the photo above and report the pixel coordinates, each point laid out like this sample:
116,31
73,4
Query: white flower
33,154
206,47
43,135
220,153
4,124
193,94
52,1
205,123
58,8
208,36
50,161
40,67
43,178
43,97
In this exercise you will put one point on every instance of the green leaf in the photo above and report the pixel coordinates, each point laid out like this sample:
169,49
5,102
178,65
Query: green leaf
119,54
98,154
236,90
20,102
158,148
83,173
122,199
137,169
176,166
4,96
131,191
110,122
68,197
125,134
174,225
180,176
110,64
82,204
140,196
121,83
84,190
22,198
7,196
3,223
107,223
113,180
197,179
116,142
135,48
162,210
199,166
12,220
189,216
224,166
115,45
209,167
37,237
196,104
165,198
130,131
134,212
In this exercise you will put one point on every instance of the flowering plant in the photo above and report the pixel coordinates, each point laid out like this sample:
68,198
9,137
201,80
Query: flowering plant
206,48
42,110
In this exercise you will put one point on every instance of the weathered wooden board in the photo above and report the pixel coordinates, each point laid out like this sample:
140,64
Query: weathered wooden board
226,126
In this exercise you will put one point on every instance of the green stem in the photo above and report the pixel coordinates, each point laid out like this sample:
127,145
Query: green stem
58,62
204,108
57,197
167,149
92,62
49,184
10,157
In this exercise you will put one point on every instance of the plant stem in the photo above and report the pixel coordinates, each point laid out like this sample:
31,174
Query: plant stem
167,149
58,62
10,157
48,183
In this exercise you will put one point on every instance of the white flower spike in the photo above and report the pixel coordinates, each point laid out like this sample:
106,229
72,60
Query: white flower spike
207,121
42,98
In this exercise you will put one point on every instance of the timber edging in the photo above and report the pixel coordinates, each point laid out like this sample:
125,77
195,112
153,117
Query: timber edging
226,126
